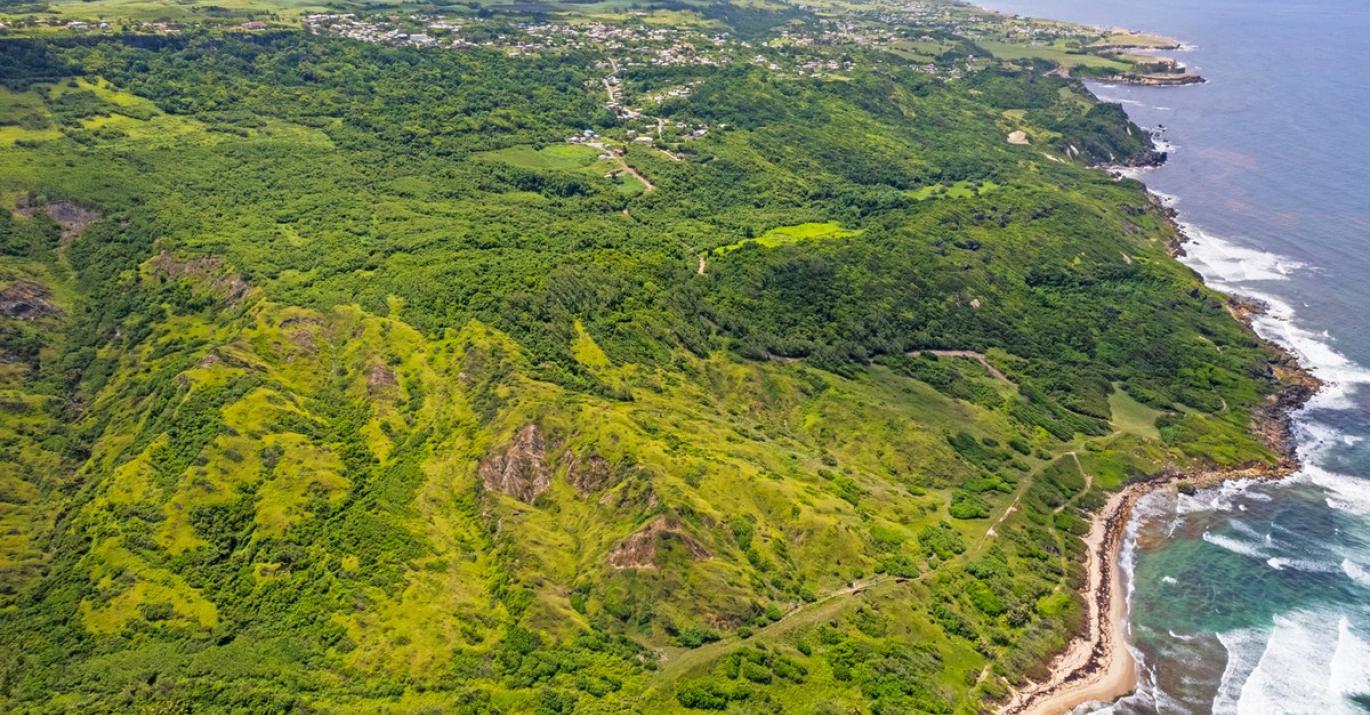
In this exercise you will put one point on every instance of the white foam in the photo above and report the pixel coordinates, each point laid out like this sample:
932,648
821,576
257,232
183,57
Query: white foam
1350,667
1280,563
1317,439
1118,100
1171,580
1295,673
1127,556
1220,498
1244,648
1343,492
1223,262
1167,200
1355,572
1236,546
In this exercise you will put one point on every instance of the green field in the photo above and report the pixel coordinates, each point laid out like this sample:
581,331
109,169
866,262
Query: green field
1129,415
1058,54
785,235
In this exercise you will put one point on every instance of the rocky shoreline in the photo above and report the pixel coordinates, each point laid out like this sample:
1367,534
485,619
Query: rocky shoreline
1157,79
1097,666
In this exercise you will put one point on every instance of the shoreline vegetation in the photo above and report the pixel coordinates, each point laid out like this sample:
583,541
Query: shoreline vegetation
1098,665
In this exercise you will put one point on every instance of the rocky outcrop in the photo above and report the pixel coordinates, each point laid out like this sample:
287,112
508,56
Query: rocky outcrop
71,218
1149,157
520,469
207,270
587,474
639,550
1156,79
27,300
380,377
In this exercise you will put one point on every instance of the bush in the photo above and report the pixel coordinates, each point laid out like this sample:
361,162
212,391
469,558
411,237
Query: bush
696,636
702,696
756,673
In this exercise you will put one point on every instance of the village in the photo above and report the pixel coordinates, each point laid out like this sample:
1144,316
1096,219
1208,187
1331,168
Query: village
623,48
923,36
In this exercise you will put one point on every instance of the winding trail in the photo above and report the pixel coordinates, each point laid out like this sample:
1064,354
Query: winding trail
650,186
970,354
672,666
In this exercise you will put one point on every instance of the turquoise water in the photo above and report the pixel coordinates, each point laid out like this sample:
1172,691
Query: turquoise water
1255,598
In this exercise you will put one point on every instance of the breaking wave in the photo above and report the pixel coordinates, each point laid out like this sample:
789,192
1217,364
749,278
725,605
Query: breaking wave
1355,572
1236,546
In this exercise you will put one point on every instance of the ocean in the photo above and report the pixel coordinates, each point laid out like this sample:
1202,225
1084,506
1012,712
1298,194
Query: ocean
1255,597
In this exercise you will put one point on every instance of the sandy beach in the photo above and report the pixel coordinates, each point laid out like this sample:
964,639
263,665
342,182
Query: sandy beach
1097,666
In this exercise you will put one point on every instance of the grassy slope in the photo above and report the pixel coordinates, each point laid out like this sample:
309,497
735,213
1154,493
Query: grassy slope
271,497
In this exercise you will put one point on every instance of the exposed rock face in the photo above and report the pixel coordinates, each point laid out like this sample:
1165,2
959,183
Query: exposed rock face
639,549
27,300
379,376
521,469
634,494
208,269
1150,157
587,474
72,218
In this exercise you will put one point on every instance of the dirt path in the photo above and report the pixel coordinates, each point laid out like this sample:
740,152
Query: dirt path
650,186
703,263
971,354
1012,507
1089,481
825,607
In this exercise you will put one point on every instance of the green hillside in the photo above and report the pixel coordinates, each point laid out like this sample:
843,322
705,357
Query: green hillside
336,379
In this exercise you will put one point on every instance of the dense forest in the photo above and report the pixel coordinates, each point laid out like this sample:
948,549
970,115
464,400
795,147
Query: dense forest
335,381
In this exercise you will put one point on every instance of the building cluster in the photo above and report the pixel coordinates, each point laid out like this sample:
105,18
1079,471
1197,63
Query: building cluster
380,32
82,27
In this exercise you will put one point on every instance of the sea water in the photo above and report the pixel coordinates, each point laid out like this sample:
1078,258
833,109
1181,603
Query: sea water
1255,597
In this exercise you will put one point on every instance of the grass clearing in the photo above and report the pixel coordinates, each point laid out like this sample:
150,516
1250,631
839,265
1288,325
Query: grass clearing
555,157
1129,415
785,235
1058,54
